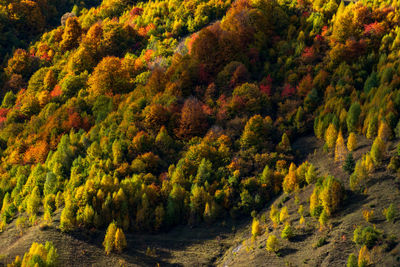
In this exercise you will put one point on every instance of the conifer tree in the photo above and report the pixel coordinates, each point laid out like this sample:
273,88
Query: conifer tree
109,239
349,164
340,149
352,142
331,136
120,240
384,131
290,180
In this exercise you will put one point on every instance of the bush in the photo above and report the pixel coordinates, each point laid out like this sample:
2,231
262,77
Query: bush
390,213
367,236
352,261
287,232
272,243
255,228
320,242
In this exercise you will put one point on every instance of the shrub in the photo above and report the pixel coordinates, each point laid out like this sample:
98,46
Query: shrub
255,228
287,232
364,257
368,214
390,213
284,215
367,236
272,243
352,261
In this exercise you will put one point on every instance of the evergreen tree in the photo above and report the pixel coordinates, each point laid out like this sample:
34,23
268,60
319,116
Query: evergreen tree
349,164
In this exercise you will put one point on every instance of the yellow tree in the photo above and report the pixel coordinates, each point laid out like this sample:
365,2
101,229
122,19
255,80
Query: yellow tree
331,195
331,136
340,148
290,180
352,142
120,240
255,228
384,131
109,239
284,214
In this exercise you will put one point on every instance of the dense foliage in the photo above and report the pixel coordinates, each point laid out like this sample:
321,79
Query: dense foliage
129,114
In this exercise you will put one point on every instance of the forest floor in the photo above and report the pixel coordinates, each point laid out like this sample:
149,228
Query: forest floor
228,243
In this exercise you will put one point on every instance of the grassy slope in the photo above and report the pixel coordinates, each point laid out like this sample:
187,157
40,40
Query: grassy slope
205,246
383,189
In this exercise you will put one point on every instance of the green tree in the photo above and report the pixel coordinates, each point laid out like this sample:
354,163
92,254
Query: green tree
353,117
349,163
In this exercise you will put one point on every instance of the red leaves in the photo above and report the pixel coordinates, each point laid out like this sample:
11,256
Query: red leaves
288,90
56,91
375,28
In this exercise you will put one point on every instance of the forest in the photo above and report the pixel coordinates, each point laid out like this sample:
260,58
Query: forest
139,116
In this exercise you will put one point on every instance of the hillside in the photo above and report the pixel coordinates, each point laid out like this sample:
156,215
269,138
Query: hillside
141,132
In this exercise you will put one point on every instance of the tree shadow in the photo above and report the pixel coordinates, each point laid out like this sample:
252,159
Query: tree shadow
286,251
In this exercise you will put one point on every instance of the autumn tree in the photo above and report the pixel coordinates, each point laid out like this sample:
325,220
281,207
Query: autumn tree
108,77
384,132
340,148
290,180
272,243
378,150
109,239
72,32
120,240
352,142
193,120
33,204
331,195
331,136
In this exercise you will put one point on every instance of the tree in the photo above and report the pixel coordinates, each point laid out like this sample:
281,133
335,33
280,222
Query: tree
352,142
33,204
120,240
340,148
72,32
193,121
290,180
255,228
284,145
331,195
311,174
364,257
109,239
274,215
272,243
284,215
67,219
109,77
352,261
349,164
353,117
331,136
378,150
287,232
384,132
